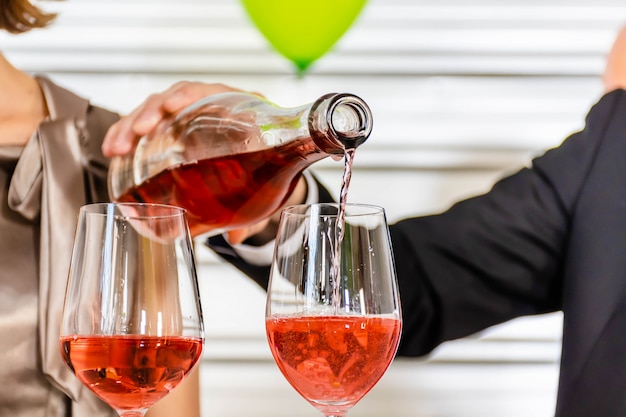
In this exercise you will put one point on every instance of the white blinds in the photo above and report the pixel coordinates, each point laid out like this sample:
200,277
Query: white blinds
462,91
506,73
391,37
480,76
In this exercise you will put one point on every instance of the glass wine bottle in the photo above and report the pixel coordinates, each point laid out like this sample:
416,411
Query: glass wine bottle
233,159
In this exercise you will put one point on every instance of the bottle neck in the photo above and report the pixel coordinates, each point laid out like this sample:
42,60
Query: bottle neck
339,122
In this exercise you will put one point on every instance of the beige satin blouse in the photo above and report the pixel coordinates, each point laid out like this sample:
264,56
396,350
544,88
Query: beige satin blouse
43,186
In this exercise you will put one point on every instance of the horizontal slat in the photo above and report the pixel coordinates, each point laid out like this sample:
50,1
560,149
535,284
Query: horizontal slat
214,62
408,389
377,13
382,40
233,349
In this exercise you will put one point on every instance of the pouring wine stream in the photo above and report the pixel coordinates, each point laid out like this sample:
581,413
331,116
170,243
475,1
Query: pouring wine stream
340,228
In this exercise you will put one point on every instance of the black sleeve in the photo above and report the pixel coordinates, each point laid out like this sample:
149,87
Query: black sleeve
500,255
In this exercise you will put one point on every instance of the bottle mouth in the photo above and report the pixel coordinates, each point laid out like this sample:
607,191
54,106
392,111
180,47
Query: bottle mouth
350,119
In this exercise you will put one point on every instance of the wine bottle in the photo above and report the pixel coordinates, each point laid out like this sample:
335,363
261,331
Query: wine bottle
232,159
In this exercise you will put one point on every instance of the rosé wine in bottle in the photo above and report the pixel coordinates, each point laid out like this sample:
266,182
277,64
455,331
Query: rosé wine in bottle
226,192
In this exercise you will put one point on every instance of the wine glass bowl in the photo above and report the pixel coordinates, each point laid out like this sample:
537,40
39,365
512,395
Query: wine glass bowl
132,323
333,316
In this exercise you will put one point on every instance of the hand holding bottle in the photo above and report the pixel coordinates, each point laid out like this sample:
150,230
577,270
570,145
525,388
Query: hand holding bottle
234,159
123,135
265,231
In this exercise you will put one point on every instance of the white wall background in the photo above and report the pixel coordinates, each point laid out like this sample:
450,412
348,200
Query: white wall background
462,92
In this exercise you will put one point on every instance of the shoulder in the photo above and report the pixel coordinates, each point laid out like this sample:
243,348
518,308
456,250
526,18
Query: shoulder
92,122
65,104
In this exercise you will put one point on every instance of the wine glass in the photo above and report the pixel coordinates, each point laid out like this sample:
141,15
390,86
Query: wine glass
132,323
333,316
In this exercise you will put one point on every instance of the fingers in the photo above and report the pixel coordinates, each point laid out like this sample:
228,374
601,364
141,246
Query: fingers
238,236
184,93
122,136
265,231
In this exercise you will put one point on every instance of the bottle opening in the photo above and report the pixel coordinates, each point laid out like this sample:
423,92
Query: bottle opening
350,119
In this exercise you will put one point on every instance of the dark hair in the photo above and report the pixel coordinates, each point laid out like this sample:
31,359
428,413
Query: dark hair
18,16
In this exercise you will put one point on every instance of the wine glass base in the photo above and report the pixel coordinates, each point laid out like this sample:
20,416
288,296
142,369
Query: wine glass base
133,413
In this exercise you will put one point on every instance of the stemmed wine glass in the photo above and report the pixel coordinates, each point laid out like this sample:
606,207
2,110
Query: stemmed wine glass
132,322
333,316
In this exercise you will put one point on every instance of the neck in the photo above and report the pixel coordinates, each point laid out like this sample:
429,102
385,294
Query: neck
22,105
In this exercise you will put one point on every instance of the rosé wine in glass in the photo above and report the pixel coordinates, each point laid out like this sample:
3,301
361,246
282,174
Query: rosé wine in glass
333,317
132,325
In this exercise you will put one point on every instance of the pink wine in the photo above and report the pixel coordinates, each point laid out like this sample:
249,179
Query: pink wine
230,191
333,359
131,372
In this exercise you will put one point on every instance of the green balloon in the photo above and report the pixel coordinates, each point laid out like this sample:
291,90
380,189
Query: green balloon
303,30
